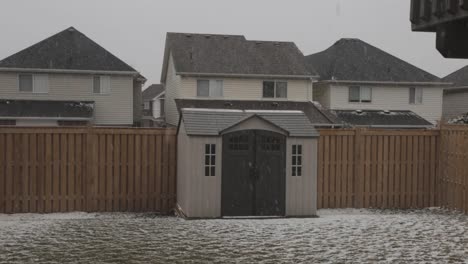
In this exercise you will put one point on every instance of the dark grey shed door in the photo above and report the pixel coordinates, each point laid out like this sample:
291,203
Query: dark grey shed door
254,174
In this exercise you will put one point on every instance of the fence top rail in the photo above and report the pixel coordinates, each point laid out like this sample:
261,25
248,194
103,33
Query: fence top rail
378,132
86,130
454,127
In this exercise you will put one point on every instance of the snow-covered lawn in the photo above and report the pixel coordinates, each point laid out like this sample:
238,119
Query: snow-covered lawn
338,236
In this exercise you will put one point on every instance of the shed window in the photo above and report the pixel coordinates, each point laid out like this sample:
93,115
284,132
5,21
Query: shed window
359,94
297,160
275,89
210,88
210,160
415,95
101,85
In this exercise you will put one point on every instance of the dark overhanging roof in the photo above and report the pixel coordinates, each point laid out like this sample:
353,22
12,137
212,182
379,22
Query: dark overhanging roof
213,122
381,118
66,50
356,60
152,91
232,55
317,115
64,110
459,78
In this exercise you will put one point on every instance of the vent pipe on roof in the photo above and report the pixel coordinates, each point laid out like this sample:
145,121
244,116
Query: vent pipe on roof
387,112
359,111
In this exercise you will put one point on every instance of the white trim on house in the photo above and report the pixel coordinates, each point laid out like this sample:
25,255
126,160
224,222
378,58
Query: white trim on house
34,70
228,75
388,83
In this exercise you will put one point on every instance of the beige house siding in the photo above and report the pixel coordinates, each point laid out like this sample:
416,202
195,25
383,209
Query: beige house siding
301,192
172,86
392,98
455,104
113,109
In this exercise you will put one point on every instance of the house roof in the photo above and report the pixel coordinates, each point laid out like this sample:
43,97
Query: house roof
66,50
380,118
46,109
458,78
316,114
356,60
152,92
232,55
212,122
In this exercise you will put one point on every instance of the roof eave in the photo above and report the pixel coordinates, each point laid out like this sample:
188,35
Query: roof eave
35,70
196,74
387,83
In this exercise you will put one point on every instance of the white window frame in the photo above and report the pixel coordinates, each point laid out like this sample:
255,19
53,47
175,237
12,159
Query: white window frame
104,85
210,160
274,89
418,98
360,101
211,88
297,160
38,81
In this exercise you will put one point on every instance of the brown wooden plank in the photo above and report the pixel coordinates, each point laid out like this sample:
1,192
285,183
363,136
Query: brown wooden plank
368,171
320,173
385,166
414,175
124,173
56,173
351,188
158,182
144,173
398,168
131,173
344,173
117,202
326,174
137,162
165,175
9,174
391,173
2,173
41,167
172,172
109,173
151,173
80,148
334,173
71,194
63,172
403,172
102,177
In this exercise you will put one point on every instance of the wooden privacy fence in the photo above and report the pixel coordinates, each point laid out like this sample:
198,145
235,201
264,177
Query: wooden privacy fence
378,169
45,170
454,167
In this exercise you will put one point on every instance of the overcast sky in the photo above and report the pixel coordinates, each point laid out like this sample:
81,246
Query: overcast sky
135,30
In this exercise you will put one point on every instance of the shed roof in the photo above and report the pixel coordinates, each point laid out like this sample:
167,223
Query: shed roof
231,55
211,122
66,50
152,91
381,118
46,109
356,60
317,115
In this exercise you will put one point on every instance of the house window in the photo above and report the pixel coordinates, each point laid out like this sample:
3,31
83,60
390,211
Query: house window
415,95
101,85
33,83
210,88
359,94
147,105
275,89
297,160
210,160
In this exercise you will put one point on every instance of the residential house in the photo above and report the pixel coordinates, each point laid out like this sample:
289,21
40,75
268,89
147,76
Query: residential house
153,103
68,79
229,68
456,97
355,75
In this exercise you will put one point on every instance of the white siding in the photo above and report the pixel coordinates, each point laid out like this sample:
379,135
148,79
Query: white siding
392,98
156,108
172,86
455,104
301,192
115,108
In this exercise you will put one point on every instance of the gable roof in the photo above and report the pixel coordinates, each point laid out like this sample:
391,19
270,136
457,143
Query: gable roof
380,118
66,50
356,60
458,78
212,122
232,55
152,91
316,115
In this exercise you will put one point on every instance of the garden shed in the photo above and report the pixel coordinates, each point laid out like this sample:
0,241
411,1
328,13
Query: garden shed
246,163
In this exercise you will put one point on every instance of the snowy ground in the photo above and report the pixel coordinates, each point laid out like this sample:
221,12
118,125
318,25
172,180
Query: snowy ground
339,236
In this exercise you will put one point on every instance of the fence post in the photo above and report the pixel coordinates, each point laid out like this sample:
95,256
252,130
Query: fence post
91,164
358,169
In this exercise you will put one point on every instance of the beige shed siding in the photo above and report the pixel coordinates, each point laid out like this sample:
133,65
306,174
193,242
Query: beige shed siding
172,85
113,109
198,195
301,192
392,98
455,104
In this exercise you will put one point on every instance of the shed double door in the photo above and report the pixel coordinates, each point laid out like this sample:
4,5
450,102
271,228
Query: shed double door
254,174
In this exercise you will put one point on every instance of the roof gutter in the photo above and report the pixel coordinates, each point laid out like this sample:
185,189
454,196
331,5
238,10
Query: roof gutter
402,126
388,83
272,76
34,70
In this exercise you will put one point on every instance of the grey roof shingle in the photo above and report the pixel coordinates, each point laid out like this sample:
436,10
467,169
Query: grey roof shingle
67,50
394,118
202,122
317,115
356,60
152,91
45,108
231,54
458,78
